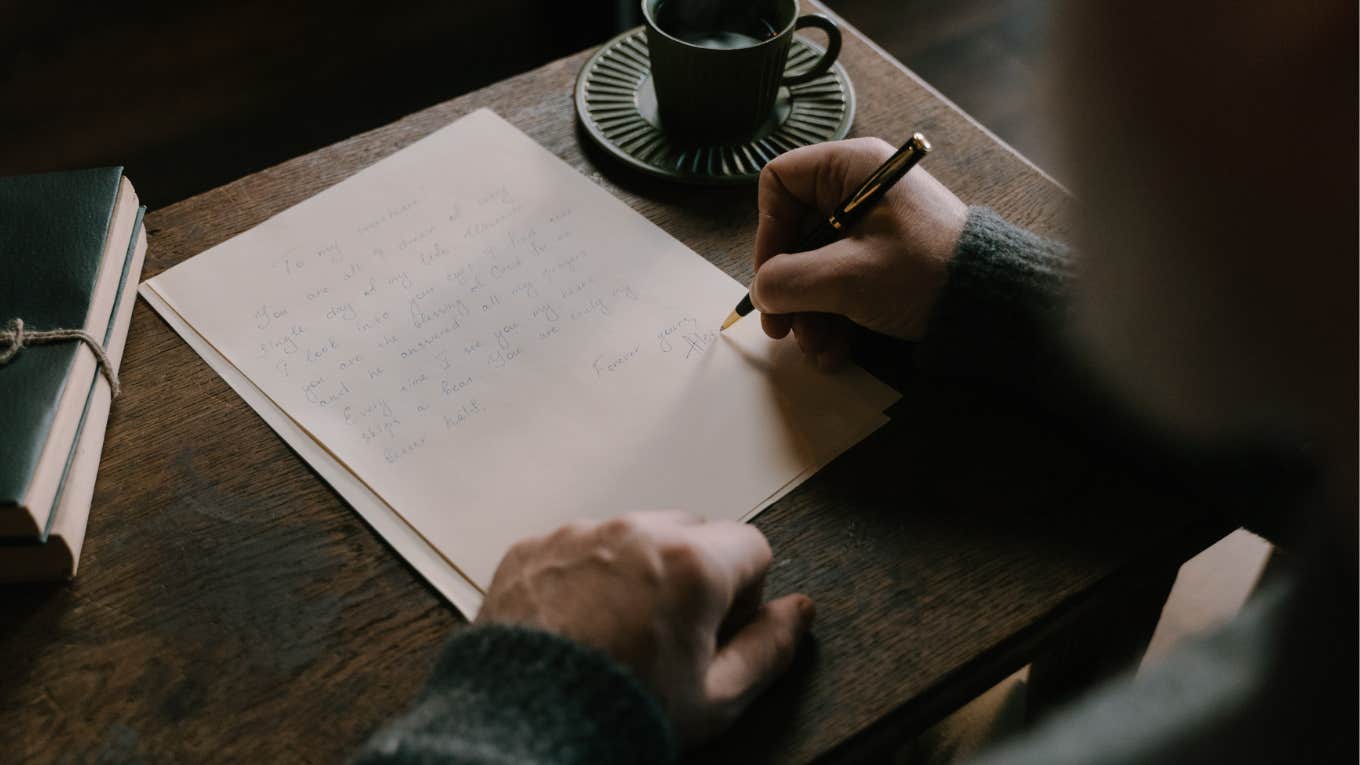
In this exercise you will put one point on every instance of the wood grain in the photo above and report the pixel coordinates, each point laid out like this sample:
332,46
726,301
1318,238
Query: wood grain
231,607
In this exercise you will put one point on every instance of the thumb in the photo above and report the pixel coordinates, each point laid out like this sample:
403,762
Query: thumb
758,653
821,280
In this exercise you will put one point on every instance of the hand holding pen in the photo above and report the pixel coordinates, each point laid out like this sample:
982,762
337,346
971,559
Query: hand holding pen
884,274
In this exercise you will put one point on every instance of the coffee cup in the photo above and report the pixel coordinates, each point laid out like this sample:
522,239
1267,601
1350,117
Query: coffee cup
717,65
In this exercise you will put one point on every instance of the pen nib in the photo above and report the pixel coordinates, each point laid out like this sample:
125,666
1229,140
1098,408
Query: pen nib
731,319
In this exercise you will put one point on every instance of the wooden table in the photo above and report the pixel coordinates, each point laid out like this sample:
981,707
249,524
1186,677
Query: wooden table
231,607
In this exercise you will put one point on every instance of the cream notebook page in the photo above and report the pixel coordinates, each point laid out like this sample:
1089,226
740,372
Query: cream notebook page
491,345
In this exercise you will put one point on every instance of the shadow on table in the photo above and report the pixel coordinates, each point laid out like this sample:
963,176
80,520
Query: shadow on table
28,601
27,607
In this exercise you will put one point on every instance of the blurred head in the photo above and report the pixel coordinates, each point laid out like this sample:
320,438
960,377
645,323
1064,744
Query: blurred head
1213,149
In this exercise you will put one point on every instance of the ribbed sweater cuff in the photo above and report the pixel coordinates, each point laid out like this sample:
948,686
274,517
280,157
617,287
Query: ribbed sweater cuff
1003,305
508,694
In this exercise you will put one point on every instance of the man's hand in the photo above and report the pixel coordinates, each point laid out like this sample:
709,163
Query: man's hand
885,276
675,598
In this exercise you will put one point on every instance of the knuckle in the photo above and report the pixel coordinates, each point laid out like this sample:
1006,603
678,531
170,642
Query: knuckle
526,548
759,544
767,179
879,147
861,155
682,561
521,548
764,551
511,561
571,530
794,156
870,146
618,528
579,527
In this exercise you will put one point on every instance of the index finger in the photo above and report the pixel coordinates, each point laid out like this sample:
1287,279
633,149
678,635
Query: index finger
738,552
811,180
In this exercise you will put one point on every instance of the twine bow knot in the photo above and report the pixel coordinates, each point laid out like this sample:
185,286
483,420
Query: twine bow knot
15,338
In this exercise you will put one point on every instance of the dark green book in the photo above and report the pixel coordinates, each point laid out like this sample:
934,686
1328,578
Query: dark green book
64,239
57,555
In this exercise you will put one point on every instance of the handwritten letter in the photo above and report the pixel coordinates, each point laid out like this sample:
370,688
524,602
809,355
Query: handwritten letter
494,346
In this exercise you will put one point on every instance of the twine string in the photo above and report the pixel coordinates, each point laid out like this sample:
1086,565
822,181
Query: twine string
15,338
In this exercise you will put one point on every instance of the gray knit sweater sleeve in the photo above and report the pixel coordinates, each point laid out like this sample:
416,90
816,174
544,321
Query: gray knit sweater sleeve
512,695
1003,320
1002,313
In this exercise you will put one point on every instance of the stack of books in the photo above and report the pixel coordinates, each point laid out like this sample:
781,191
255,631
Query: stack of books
71,252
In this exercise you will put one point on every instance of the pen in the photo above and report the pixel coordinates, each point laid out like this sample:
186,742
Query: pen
855,206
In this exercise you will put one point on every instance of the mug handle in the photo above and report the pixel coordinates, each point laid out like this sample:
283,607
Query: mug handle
833,48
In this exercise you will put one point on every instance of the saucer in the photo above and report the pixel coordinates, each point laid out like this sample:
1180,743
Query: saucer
616,103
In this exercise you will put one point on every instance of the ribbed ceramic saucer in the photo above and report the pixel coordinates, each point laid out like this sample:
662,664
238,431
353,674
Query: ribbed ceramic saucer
617,105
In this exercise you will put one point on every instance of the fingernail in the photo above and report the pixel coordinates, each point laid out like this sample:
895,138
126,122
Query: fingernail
807,610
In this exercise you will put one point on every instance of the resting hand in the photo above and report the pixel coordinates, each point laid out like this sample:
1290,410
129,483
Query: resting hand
884,276
655,591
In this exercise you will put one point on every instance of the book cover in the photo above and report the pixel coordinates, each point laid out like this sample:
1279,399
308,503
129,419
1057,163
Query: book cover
54,234
58,557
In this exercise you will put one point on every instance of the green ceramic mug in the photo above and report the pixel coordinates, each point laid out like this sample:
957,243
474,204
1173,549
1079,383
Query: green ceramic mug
718,65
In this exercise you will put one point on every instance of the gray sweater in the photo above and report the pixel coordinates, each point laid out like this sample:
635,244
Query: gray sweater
1278,684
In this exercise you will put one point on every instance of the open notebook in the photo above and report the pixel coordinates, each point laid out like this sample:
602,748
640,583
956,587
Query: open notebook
473,343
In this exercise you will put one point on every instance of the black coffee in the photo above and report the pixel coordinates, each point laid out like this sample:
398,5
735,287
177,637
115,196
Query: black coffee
719,24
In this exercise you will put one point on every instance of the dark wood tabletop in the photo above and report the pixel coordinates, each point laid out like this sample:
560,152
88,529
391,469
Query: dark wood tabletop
230,606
